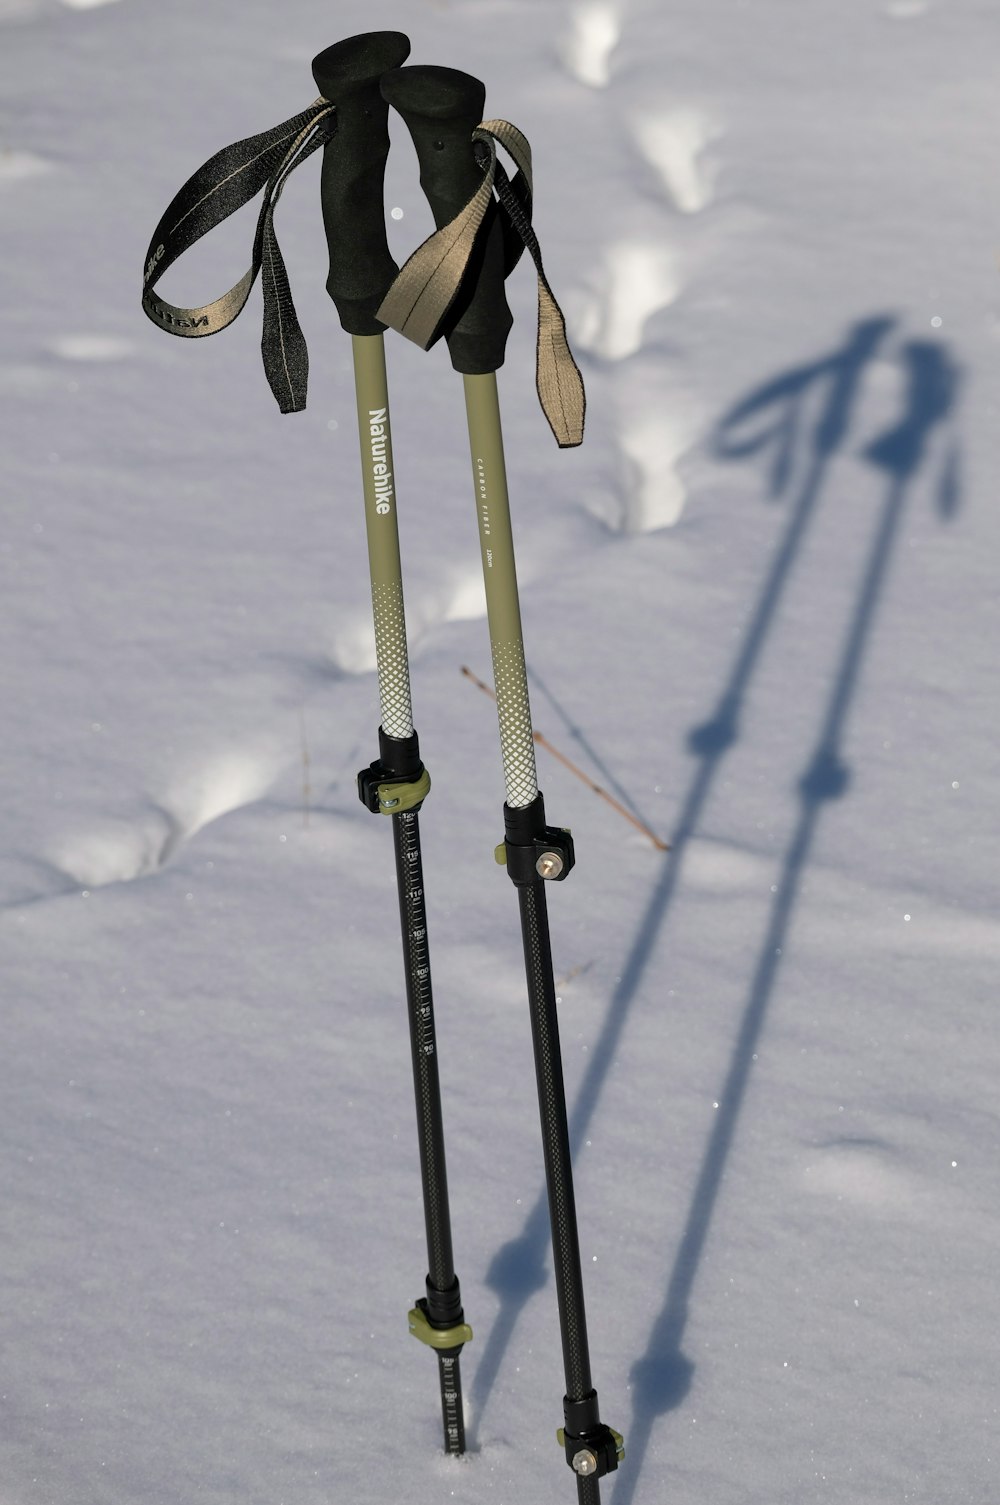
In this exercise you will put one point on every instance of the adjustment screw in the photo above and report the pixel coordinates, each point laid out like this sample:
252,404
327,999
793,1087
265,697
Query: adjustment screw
549,865
585,1463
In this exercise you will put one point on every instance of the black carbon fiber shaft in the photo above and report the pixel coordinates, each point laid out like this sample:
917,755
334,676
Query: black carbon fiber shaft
588,1491
423,1045
555,1148
427,1095
555,1138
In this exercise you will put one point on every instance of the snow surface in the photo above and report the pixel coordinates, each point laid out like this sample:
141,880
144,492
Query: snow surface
760,604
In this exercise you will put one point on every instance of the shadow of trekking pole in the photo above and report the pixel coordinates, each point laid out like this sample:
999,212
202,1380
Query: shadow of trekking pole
662,1377
519,1268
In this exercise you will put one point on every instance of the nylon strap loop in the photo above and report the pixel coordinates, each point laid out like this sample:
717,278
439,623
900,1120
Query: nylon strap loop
418,301
224,184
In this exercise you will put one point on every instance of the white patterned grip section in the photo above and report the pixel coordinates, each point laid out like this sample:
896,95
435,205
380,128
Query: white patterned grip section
392,659
517,746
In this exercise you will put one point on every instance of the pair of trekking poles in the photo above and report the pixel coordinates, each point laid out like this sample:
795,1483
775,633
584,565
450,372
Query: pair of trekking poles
452,285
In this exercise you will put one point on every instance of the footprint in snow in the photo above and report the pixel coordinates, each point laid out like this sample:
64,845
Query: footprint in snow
719,867
78,348
466,599
637,281
652,443
229,782
17,167
595,31
865,1173
121,851
657,428
126,849
91,347
463,599
675,143
353,648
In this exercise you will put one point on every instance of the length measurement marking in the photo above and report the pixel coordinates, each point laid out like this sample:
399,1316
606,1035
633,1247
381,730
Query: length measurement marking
416,927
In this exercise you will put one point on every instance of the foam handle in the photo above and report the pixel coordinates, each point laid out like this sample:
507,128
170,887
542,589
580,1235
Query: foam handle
361,267
441,108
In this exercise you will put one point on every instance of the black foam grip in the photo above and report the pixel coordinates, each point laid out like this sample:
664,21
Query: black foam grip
361,268
441,108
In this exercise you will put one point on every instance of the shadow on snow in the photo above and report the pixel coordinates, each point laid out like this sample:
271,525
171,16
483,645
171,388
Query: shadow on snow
774,418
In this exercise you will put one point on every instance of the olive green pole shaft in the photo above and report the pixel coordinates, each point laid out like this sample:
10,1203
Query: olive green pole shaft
437,1319
374,432
489,474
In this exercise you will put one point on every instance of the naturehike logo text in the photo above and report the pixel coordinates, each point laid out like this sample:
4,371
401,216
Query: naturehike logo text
380,471
159,312
152,263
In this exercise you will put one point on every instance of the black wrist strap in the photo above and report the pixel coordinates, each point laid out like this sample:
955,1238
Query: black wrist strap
418,300
224,184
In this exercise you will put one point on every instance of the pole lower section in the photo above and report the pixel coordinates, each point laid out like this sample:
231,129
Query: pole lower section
534,852
555,1138
396,785
423,1049
442,1304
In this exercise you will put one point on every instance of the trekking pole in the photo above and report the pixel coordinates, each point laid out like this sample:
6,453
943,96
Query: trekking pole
396,783
349,121
442,109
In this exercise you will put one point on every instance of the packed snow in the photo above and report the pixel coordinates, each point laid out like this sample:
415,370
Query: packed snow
760,608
